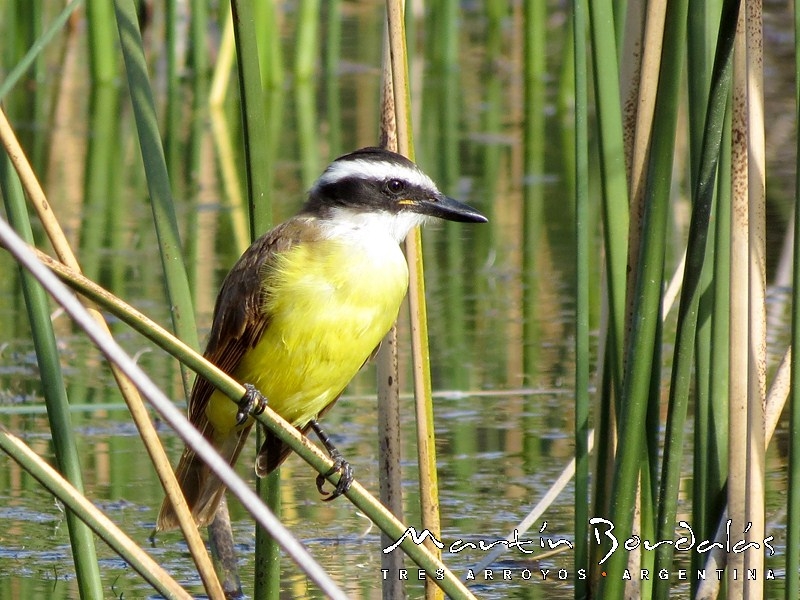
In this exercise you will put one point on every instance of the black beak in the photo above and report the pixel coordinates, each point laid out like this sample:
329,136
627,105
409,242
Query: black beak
449,209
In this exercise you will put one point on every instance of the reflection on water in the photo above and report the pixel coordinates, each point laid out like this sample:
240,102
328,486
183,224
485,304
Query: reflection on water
504,410
484,488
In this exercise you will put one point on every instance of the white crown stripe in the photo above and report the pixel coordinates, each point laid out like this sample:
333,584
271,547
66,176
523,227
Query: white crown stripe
367,169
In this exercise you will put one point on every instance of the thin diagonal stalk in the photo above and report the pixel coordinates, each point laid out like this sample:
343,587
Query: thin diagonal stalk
36,49
158,183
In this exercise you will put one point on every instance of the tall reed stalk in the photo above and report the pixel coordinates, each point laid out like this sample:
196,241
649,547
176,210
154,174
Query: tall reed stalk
583,236
87,568
158,181
426,449
259,184
793,479
390,476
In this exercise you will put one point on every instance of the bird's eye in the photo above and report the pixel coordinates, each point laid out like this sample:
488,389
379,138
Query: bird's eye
395,186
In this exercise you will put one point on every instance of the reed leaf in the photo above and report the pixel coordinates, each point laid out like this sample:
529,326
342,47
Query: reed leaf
158,183
701,40
612,173
253,119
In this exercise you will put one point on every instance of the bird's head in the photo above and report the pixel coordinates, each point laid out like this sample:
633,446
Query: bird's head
373,183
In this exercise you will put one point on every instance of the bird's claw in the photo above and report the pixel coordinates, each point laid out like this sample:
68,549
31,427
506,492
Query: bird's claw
252,403
341,466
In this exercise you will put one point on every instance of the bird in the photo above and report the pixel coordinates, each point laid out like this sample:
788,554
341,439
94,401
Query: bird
304,308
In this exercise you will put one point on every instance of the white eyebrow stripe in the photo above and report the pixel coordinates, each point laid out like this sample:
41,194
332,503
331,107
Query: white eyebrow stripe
339,170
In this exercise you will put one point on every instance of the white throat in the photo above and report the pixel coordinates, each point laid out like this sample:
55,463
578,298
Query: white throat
349,223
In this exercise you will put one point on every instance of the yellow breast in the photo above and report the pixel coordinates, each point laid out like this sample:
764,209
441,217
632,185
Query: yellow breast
330,302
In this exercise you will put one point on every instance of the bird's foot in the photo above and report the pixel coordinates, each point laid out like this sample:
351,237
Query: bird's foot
340,465
252,403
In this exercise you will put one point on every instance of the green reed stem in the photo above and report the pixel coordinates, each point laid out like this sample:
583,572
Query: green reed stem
158,183
270,54
644,336
259,184
445,144
793,509
583,238
102,45
535,70
701,39
612,173
267,558
253,118
81,539
99,175
333,59
696,252
36,48
174,98
307,40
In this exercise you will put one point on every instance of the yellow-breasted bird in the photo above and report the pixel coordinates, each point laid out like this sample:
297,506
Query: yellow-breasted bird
305,307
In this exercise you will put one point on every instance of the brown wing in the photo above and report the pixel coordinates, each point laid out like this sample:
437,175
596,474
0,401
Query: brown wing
239,320
238,324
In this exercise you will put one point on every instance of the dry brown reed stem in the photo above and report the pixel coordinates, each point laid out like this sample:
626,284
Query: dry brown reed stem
389,451
739,307
757,362
429,486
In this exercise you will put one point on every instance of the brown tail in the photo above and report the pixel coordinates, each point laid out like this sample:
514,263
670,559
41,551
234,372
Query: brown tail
201,487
